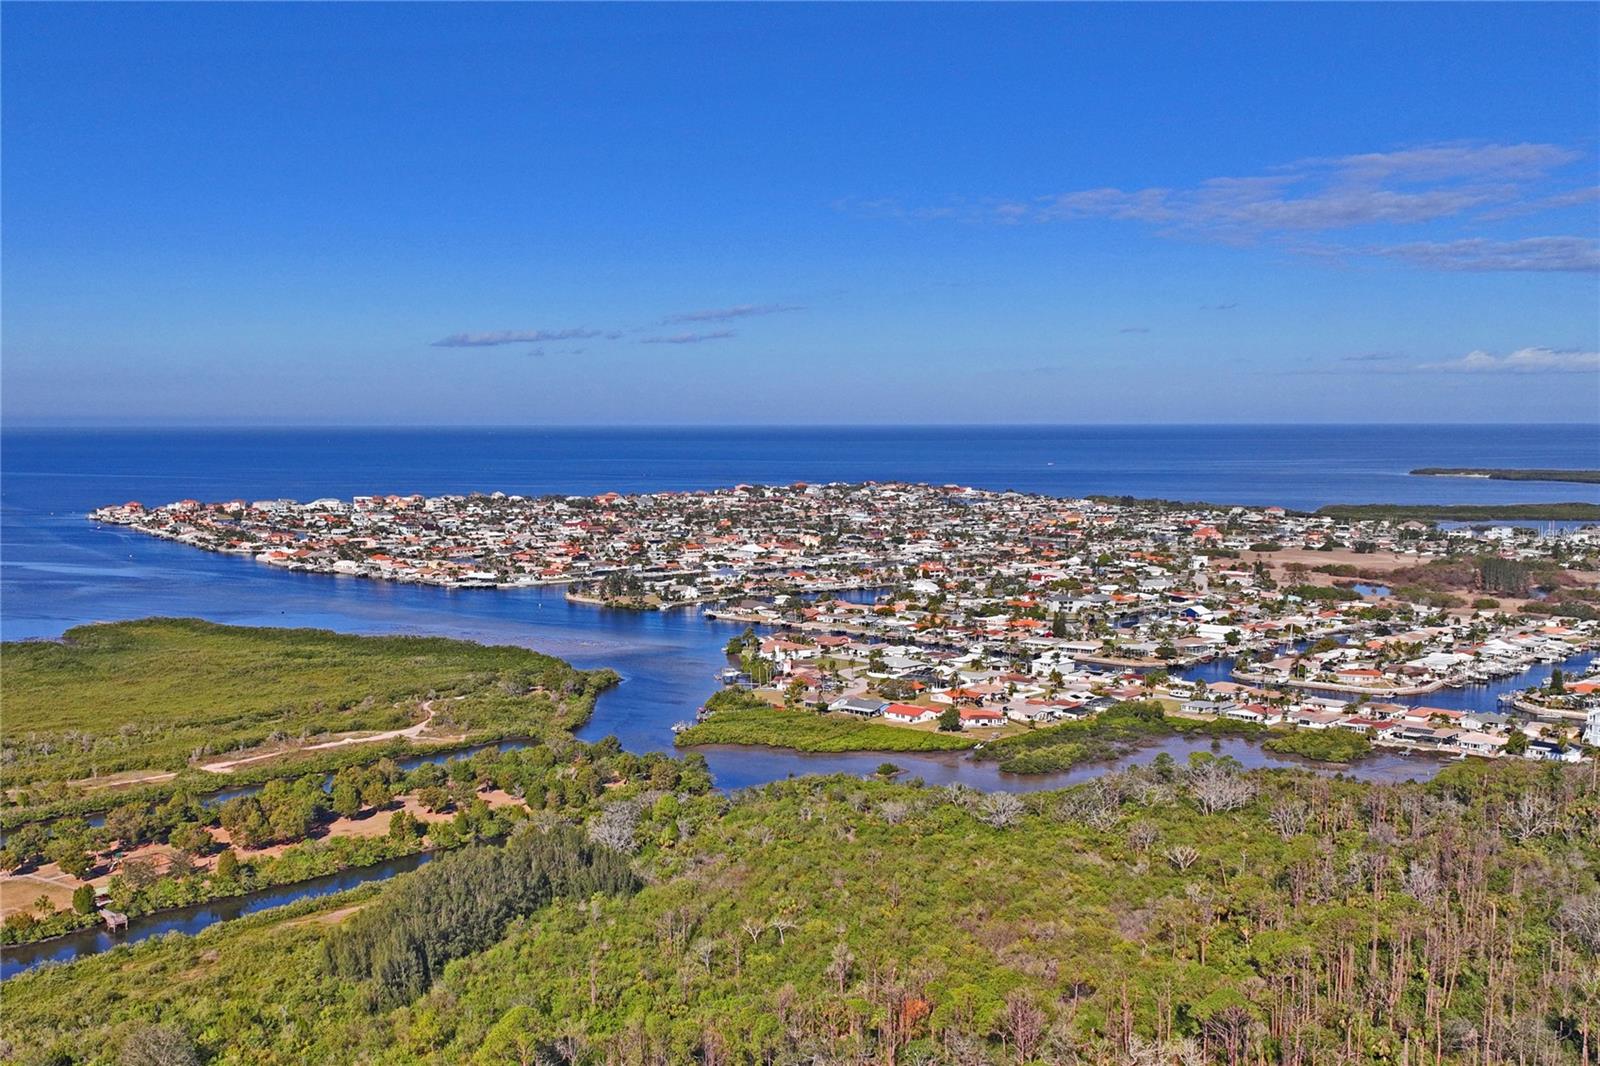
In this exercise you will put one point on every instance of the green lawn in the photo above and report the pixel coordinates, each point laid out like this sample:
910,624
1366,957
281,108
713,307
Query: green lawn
806,730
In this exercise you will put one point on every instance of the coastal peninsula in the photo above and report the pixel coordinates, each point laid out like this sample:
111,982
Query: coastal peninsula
1582,477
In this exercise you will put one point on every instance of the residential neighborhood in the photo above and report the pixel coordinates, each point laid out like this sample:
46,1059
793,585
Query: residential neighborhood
921,605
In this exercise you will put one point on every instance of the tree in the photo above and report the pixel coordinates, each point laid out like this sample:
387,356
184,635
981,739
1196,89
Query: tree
83,899
129,823
794,693
27,845
1024,1023
158,1045
191,837
841,965
346,797
950,720
434,798
1001,809
375,793
1517,743
70,854
1217,787
1558,682
404,826
227,868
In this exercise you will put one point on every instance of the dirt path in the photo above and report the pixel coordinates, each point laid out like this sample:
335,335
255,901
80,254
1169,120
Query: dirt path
411,732
333,917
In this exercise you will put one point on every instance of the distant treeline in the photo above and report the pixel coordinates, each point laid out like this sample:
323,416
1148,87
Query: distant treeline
1586,477
1158,504
1533,512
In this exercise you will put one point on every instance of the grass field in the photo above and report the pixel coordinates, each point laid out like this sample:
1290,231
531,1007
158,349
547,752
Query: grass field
805,730
150,695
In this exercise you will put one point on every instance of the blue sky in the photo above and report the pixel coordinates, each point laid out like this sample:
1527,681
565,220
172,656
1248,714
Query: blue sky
660,214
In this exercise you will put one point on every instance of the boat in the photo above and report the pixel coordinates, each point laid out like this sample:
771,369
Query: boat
679,727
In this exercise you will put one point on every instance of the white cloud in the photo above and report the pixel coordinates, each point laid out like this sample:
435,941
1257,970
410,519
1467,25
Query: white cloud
1521,361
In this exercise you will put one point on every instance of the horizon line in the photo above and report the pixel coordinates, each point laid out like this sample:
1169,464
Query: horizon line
26,425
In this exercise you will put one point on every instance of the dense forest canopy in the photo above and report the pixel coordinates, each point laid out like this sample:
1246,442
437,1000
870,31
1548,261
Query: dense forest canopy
1168,914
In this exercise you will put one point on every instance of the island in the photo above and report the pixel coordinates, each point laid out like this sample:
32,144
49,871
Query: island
1582,477
1473,512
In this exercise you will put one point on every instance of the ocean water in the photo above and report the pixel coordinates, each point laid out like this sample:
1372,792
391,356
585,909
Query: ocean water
58,570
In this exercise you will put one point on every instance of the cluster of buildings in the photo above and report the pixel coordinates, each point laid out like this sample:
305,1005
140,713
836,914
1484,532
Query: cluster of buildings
1004,606
996,687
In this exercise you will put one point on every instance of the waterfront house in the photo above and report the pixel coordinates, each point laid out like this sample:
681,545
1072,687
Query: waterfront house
1487,745
1545,751
860,706
977,717
910,713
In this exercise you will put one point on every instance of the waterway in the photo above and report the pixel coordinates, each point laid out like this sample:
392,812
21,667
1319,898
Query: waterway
59,570
190,920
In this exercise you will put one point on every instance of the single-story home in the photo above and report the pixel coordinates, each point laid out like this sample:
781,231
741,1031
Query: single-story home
910,713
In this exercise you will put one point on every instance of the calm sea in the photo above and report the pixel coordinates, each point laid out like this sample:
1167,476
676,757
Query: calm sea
58,570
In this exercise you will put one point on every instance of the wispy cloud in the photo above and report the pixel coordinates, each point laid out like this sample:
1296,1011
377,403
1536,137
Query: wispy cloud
1371,357
1567,198
1288,205
519,336
1134,329
1218,307
1564,254
723,314
1521,361
691,338
1340,192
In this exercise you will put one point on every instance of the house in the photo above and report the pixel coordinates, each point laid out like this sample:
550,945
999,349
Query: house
1591,732
977,717
1422,734
1032,711
1304,718
1487,745
1255,712
860,706
909,713
1372,726
1545,751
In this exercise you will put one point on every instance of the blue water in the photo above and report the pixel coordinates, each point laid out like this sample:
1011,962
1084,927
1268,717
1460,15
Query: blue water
190,920
58,570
